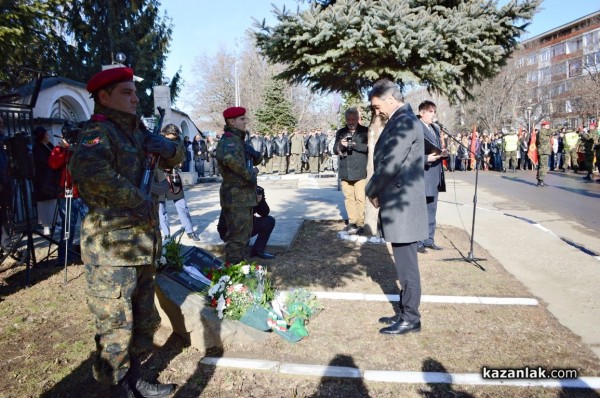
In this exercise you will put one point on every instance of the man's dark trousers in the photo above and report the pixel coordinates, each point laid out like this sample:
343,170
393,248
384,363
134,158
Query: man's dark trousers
262,226
431,212
407,267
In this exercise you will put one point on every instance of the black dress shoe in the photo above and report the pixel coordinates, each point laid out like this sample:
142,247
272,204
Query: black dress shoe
433,246
389,320
263,255
421,249
402,327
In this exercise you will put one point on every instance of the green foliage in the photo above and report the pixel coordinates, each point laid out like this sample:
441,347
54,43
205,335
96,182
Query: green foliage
75,38
346,45
102,28
301,304
28,36
276,110
172,254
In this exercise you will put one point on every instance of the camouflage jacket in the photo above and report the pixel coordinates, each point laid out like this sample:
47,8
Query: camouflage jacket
588,140
107,165
239,183
543,141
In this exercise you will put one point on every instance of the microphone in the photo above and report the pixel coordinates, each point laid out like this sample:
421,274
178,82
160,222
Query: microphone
441,126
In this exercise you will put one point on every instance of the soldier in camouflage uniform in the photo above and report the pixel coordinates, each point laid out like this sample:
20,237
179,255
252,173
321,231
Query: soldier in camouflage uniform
544,149
571,143
120,236
510,146
238,190
588,140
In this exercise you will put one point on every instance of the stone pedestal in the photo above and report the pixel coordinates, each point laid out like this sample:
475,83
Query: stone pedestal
190,315
188,177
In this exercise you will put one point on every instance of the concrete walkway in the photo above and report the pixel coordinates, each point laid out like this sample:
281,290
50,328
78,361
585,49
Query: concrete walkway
525,241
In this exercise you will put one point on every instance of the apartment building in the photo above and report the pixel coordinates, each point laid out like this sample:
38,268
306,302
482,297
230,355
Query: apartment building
558,66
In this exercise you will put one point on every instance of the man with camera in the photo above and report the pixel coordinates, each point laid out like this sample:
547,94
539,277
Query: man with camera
70,204
351,146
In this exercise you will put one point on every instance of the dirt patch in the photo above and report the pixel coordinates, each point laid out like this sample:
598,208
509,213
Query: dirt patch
46,337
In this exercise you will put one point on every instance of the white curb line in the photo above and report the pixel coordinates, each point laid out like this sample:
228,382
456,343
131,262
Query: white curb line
404,377
429,298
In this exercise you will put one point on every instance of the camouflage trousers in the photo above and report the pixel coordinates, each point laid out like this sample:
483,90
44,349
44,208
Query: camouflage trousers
542,167
239,228
508,156
121,299
571,156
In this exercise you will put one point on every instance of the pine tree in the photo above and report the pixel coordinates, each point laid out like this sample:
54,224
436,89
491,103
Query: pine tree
28,38
276,110
99,29
445,45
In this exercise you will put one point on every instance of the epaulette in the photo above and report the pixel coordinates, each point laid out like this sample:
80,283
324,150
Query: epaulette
96,117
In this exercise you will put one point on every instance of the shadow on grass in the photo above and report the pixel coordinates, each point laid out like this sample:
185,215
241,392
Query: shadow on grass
438,389
342,387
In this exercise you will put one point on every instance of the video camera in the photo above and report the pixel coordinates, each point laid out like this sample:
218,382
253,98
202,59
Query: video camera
70,130
348,139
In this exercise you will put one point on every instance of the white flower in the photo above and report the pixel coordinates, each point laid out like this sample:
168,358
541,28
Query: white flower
246,269
238,287
162,260
220,306
216,288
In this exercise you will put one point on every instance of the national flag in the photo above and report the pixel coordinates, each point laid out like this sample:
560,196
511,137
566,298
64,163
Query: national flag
532,152
473,147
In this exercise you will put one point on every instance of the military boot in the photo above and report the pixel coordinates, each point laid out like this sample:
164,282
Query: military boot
149,390
122,390
144,388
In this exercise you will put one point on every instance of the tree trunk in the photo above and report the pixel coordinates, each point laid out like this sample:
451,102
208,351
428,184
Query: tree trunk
371,213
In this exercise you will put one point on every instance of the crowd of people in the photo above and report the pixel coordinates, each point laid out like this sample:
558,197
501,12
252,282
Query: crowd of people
283,152
511,150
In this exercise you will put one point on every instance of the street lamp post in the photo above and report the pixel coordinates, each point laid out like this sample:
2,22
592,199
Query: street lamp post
529,109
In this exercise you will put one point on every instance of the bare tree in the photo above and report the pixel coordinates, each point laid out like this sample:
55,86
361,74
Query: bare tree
498,102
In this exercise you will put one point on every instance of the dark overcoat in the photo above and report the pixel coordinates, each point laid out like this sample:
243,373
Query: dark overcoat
398,180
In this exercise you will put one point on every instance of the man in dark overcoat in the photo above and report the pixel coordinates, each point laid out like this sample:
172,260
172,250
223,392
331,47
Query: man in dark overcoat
397,189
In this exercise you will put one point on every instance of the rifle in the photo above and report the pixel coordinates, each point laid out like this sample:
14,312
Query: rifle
249,161
151,158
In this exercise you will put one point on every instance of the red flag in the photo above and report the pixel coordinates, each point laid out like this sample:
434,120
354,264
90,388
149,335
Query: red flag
520,132
473,147
532,152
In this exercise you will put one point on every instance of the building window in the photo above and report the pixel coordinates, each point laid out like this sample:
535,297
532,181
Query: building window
531,59
544,55
574,67
557,49
574,45
592,39
62,109
560,70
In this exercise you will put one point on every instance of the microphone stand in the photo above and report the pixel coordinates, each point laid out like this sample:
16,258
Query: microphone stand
471,256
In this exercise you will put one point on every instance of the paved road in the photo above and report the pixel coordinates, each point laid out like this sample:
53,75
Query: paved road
567,193
548,238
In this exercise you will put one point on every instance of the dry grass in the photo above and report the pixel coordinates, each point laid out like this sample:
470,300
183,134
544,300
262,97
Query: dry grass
46,337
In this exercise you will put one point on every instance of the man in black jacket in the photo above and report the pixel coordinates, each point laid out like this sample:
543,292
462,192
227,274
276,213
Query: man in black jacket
280,151
351,145
262,226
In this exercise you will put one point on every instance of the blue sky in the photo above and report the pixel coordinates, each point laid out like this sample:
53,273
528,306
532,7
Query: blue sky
203,26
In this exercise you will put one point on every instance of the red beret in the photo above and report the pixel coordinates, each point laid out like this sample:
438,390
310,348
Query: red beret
545,123
233,112
109,76
592,124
